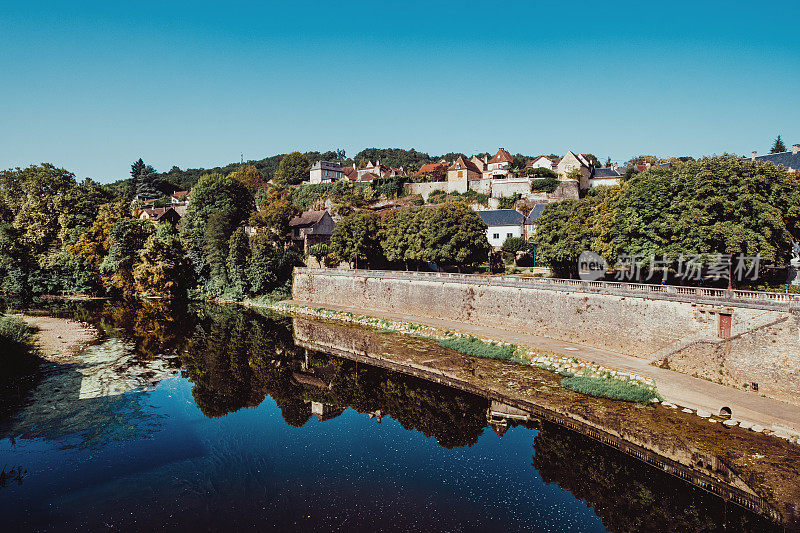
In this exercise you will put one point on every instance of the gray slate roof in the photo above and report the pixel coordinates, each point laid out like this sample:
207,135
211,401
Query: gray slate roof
606,173
787,159
535,213
502,217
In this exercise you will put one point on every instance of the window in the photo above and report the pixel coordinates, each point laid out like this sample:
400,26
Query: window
509,235
496,236
460,173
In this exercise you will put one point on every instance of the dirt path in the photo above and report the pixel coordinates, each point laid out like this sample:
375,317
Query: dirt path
677,388
60,337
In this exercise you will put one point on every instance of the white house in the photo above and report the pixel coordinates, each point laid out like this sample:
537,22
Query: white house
502,224
544,162
499,166
325,172
605,176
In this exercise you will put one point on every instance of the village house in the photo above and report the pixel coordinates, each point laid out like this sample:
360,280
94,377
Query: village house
433,169
502,224
571,162
460,173
180,197
325,172
605,176
481,164
310,228
530,220
160,214
790,160
550,163
499,167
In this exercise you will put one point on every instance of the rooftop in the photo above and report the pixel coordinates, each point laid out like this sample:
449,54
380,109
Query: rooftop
535,213
307,218
502,217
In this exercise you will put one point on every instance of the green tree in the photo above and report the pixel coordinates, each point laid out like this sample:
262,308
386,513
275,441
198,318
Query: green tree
778,146
319,251
514,245
238,258
127,238
563,231
404,239
454,235
357,238
270,265
162,270
292,170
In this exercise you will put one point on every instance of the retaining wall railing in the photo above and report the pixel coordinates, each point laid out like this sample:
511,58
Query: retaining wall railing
773,301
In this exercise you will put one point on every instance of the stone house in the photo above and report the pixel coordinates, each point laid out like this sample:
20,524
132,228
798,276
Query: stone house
482,164
325,172
790,160
502,224
460,173
572,161
310,228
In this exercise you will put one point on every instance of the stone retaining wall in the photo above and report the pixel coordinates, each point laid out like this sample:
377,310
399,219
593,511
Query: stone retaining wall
620,317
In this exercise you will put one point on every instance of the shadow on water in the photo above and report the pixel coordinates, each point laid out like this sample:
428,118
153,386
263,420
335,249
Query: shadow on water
233,358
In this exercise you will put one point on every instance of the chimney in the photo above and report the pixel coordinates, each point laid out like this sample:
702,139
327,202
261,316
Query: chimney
754,157
795,149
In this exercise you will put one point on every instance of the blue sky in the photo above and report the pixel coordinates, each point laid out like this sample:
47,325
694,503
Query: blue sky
92,86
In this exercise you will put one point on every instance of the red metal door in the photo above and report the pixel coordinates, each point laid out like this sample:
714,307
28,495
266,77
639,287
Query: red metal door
724,326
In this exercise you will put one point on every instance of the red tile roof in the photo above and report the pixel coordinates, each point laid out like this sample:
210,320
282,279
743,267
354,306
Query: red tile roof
430,167
460,164
502,156
369,176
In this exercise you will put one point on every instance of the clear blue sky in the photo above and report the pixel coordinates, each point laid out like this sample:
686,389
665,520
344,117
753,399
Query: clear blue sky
91,86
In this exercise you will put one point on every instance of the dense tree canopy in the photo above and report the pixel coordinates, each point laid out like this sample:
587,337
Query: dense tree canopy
293,170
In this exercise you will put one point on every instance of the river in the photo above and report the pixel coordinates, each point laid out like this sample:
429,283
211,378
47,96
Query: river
215,418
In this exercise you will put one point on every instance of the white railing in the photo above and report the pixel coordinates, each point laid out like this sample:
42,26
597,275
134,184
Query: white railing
721,296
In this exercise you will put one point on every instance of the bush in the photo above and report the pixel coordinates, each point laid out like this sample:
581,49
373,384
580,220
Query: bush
478,348
18,353
544,185
629,391
508,202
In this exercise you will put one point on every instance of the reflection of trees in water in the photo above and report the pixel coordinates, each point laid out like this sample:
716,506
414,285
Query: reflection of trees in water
630,495
235,357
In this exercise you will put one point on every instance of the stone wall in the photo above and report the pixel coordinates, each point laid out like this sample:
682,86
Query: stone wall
767,355
640,326
681,331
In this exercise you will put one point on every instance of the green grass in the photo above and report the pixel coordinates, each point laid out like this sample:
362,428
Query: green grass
478,348
610,388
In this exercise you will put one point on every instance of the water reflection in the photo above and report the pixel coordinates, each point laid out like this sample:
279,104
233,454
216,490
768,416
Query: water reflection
233,358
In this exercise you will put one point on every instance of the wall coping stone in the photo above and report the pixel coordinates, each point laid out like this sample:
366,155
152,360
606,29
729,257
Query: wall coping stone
772,301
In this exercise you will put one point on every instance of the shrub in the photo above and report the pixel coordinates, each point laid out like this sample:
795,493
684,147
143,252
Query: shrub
478,348
616,389
18,353
508,202
544,185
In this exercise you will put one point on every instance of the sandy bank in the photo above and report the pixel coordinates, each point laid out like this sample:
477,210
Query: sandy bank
61,337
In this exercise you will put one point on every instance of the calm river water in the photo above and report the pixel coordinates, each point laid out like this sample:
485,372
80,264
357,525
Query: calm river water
210,418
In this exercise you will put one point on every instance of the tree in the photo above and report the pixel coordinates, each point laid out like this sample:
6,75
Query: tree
148,184
778,146
162,270
319,251
454,235
127,238
215,192
93,245
250,177
403,240
238,257
563,232
292,170
79,206
270,265
514,245
138,168
356,237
